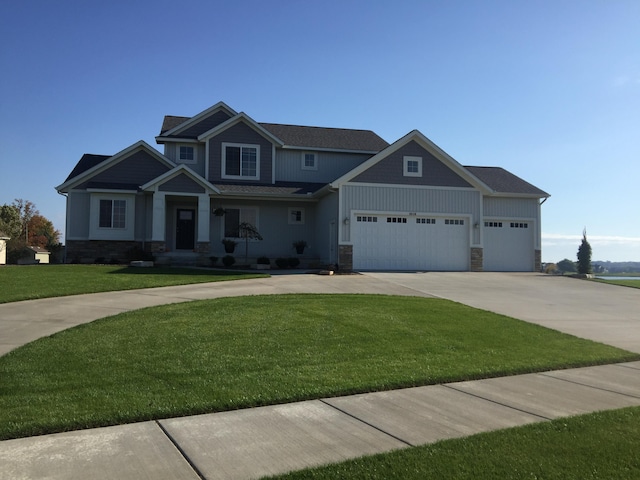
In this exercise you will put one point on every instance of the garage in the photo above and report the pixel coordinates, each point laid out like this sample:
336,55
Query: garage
508,245
410,242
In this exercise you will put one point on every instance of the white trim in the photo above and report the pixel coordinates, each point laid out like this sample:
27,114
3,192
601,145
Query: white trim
411,187
179,161
106,190
196,118
303,158
335,150
96,232
177,170
405,166
241,117
223,166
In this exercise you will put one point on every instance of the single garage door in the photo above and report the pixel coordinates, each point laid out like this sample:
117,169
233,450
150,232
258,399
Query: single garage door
508,246
397,242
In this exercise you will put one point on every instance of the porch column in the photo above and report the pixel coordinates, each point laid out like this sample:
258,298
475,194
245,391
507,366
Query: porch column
204,216
158,218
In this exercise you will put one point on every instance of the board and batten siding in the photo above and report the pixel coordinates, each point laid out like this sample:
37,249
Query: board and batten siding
330,165
171,152
403,200
78,211
500,208
326,222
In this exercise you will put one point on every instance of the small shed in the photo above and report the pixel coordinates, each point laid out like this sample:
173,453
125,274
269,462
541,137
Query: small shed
3,248
33,255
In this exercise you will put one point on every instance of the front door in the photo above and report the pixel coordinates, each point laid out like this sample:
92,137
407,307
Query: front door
185,229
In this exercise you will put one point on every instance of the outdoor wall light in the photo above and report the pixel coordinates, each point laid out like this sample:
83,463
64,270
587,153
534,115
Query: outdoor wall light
346,220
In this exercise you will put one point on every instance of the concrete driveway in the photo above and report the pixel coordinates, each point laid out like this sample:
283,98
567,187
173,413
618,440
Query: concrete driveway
596,311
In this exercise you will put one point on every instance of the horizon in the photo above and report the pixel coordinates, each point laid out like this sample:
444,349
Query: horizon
548,91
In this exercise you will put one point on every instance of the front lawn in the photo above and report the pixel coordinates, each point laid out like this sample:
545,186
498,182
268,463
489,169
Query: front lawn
28,282
600,445
231,353
623,283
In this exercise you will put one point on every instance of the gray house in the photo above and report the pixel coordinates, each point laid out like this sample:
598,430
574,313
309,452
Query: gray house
356,200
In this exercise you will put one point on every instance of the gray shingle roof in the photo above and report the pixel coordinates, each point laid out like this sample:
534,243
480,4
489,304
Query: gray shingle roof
170,122
503,181
279,188
87,161
330,138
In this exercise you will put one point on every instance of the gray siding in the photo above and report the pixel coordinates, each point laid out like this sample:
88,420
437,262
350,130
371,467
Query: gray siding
141,217
171,152
326,235
205,125
330,166
511,207
240,133
408,200
78,219
390,170
136,169
181,183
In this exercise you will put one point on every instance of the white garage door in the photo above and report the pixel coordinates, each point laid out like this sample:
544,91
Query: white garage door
508,246
396,242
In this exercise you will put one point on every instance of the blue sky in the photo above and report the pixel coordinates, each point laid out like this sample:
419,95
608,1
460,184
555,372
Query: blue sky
549,90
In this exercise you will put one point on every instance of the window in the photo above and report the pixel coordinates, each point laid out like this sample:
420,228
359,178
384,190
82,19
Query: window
296,216
427,221
233,217
309,161
412,166
493,224
454,221
186,154
519,225
362,218
240,161
396,220
113,213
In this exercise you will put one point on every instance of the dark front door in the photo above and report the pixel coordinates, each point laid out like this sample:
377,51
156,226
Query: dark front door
185,229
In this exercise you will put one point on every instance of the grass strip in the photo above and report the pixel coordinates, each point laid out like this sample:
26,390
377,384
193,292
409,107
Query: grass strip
600,445
232,353
44,281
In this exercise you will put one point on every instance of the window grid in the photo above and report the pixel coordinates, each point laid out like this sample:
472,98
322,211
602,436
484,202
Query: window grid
493,224
362,218
519,225
113,214
453,221
427,221
186,153
396,220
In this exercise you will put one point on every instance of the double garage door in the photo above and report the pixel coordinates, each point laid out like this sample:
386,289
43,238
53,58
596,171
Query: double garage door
410,242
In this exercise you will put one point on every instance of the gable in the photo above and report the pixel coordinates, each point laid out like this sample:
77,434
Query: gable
181,183
132,171
205,125
390,170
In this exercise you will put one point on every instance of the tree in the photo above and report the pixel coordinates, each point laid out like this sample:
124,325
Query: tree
584,255
248,231
42,233
566,265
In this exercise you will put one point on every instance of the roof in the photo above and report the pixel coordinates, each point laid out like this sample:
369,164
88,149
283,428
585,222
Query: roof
39,250
87,161
306,137
503,181
278,188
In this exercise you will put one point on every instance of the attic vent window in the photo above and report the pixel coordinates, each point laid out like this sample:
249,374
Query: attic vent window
309,161
186,154
412,166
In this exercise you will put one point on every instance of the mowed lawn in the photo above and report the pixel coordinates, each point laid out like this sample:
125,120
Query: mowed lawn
233,353
28,282
601,445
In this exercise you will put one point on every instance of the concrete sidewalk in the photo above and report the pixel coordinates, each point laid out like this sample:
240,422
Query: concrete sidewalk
246,444
269,440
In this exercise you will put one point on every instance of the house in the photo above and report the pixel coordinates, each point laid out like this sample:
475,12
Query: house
3,248
34,255
356,200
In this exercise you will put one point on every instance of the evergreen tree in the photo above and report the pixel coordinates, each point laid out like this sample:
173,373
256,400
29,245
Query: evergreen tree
584,255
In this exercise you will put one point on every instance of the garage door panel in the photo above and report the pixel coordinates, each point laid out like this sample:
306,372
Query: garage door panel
395,242
508,246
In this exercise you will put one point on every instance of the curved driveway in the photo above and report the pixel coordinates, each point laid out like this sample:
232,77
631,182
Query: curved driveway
596,311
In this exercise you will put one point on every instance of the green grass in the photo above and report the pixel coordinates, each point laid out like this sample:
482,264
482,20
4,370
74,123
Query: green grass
42,281
623,283
233,353
601,445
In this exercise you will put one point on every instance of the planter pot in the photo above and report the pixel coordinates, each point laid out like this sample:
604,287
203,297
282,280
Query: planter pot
299,250
229,248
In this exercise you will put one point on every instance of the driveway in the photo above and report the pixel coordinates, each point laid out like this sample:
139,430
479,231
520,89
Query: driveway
600,312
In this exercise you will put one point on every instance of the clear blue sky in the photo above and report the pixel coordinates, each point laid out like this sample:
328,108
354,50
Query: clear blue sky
549,90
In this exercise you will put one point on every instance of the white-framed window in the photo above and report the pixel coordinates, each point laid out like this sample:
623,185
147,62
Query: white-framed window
240,161
234,216
113,214
309,161
367,218
454,221
412,166
186,154
296,216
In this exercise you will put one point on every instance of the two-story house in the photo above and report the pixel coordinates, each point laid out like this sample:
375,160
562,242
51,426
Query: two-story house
356,200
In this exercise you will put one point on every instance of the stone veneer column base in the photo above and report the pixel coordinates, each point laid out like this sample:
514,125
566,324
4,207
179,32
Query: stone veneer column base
156,247
345,257
476,260
537,256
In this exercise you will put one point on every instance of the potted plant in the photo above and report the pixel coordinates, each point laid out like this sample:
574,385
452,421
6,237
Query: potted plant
229,245
299,245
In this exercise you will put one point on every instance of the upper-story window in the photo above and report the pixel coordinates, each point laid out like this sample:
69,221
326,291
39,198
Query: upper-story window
186,154
240,161
412,166
309,161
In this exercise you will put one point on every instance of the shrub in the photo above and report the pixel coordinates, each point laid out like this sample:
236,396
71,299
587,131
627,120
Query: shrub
228,260
263,261
137,253
282,262
213,260
293,262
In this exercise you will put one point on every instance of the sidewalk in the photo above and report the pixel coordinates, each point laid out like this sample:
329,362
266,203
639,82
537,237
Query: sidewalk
250,443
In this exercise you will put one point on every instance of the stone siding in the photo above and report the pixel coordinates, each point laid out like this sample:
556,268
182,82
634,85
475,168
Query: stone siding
345,257
105,251
537,255
476,260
